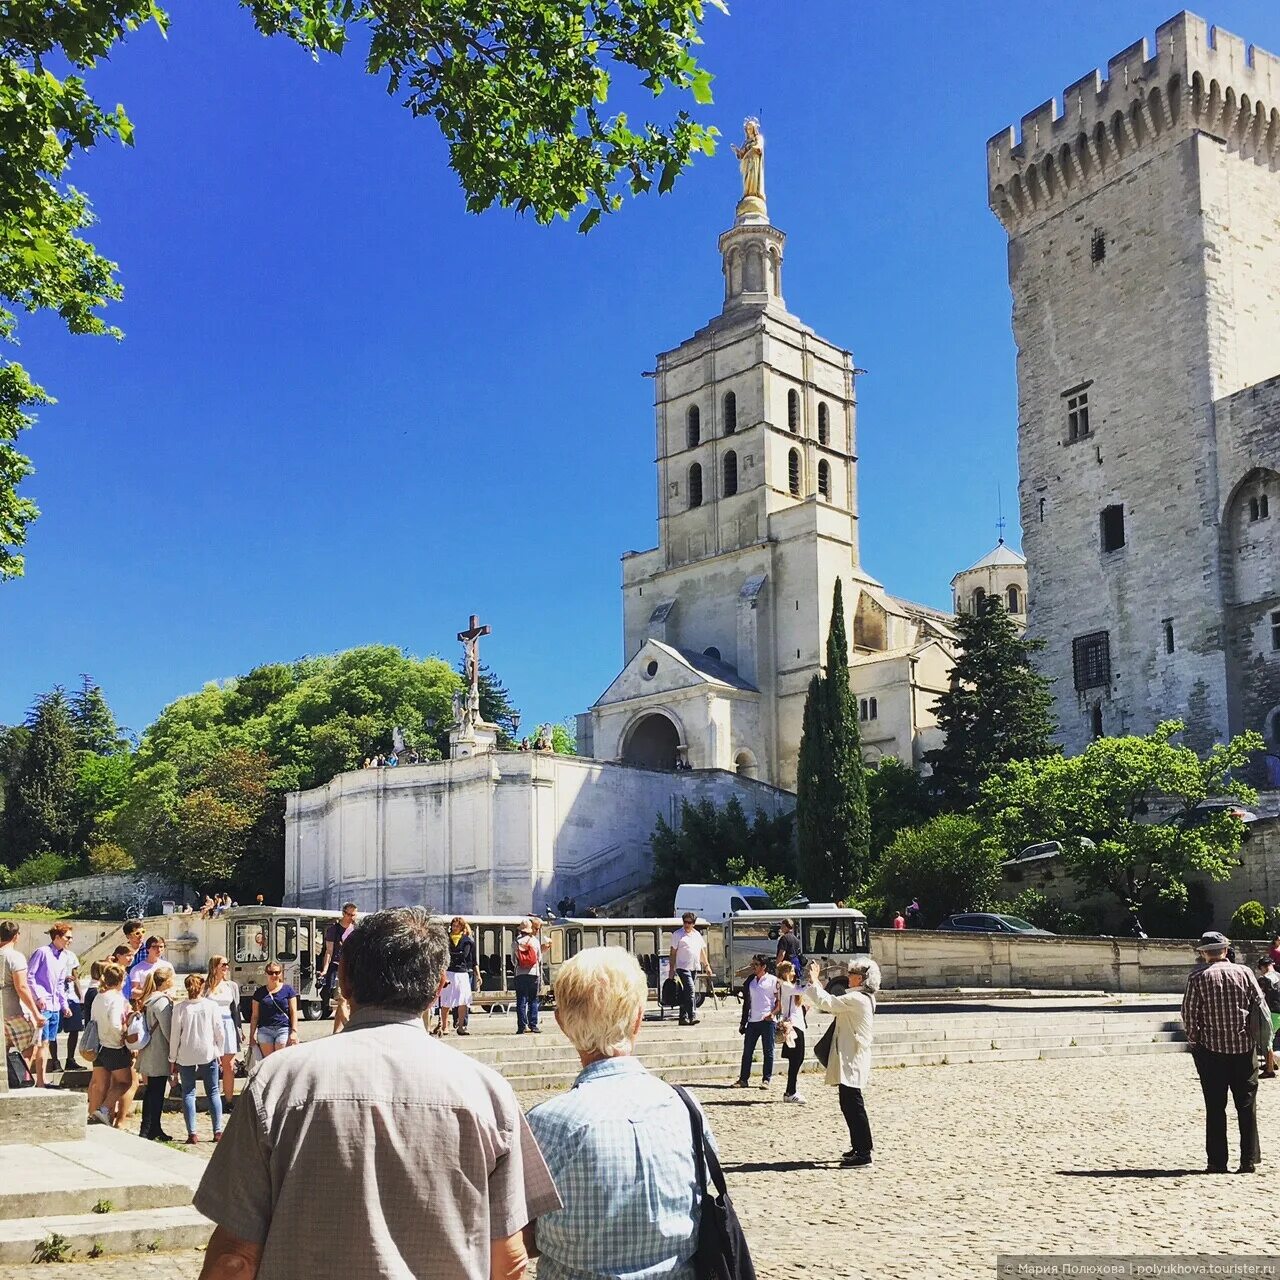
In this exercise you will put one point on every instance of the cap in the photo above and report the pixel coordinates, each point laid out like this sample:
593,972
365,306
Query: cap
1213,941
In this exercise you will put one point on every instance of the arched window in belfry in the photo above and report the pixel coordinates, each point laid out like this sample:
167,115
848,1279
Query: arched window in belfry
793,472
693,426
793,411
695,485
1015,600
730,413
824,426
730,474
979,600
824,479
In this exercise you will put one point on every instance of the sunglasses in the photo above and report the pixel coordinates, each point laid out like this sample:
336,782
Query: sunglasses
275,973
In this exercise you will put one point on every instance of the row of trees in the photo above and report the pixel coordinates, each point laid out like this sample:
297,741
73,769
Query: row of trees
1126,812
201,794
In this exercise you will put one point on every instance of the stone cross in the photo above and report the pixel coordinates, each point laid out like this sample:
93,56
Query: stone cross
471,648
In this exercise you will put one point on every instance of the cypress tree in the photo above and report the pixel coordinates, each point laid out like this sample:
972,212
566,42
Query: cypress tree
833,823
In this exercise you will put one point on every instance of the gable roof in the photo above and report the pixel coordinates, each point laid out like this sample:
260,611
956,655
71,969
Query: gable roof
691,671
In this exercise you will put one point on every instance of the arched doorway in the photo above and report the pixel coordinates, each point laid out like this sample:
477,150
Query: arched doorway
745,764
653,742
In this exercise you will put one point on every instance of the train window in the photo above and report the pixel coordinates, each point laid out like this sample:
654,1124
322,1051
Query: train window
573,940
615,938
644,946
286,939
490,957
825,937
591,937
250,941
557,947
753,930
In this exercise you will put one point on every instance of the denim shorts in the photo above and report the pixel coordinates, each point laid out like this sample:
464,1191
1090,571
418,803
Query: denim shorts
278,1036
53,1021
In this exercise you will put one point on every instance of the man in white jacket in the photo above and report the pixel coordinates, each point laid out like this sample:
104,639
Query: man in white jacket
849,1061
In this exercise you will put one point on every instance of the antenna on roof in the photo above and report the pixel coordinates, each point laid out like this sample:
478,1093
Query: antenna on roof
1000,523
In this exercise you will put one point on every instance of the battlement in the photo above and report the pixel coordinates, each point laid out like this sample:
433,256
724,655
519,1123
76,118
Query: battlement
1200,78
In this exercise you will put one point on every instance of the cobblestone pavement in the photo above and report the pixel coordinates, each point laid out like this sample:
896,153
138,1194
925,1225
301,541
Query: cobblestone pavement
1089,1155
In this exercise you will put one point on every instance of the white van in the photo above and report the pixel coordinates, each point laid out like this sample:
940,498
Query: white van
715,903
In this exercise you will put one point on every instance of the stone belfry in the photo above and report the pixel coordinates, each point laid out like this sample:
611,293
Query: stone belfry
724,621
1143,216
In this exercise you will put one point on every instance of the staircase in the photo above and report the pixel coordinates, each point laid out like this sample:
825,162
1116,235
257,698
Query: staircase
108,1193
903,1038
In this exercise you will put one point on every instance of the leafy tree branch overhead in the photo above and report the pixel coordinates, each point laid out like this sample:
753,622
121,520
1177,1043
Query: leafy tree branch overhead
520,90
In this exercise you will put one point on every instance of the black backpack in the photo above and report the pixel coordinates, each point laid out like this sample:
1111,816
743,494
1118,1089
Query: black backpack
20,1076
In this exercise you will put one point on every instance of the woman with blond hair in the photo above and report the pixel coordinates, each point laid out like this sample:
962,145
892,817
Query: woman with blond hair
155,1003
219,987
463,965
619,1144
112,1075
195,1045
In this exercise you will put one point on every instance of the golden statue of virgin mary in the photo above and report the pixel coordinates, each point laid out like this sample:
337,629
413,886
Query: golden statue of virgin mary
751,163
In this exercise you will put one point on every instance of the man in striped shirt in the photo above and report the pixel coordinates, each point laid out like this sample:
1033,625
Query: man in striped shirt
1219,1009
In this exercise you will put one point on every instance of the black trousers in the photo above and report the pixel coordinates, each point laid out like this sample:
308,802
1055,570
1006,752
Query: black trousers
855,1116
1237,1072
795,1062
153,1105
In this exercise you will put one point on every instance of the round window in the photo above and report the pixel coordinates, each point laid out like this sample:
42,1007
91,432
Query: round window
650,668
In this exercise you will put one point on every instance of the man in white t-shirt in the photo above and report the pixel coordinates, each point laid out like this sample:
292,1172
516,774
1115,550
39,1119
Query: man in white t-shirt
688,956
759,1001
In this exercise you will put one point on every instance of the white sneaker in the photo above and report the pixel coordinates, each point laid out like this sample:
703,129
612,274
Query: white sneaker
792,1097
102,1115
764,1084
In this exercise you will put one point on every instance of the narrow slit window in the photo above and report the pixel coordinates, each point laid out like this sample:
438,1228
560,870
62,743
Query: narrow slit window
1098,247
1168,635
824,425
693,426
793,472
1015,600
1259,508
1275,631
793,411
824,479
730,413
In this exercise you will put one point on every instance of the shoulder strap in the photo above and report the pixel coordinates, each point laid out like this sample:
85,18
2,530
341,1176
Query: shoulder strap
704,1159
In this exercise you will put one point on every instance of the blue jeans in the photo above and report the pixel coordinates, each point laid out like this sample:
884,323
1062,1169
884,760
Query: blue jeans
207,1073
526,1001
686,994
762,1032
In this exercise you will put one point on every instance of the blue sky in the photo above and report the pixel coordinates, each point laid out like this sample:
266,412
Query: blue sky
346,411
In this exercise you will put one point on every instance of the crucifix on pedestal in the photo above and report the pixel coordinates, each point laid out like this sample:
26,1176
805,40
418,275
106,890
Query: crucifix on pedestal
470,735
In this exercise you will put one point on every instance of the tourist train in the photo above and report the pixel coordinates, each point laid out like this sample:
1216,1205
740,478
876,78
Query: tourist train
294,937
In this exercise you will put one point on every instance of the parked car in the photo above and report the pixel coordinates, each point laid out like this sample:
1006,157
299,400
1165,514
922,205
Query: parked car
990,922
1208,809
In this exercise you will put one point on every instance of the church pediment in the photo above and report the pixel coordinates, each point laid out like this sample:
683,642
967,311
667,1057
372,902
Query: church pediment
659,668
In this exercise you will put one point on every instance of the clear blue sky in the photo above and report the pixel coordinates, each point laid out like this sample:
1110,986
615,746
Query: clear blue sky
346,411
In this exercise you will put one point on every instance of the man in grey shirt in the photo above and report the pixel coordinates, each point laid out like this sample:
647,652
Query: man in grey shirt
380,1151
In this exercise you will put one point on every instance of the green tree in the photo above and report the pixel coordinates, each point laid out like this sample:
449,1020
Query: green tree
41,815
564,738
834,826
949,865
998,708
518,91
95,727
708,841
897,798
1126,812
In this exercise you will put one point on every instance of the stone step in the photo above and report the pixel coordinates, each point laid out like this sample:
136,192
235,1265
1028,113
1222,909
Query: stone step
140,1231
690,1073
105,1167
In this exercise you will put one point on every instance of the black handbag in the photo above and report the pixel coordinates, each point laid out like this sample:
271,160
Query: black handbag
671,992
722,1252
20,1076
822,1050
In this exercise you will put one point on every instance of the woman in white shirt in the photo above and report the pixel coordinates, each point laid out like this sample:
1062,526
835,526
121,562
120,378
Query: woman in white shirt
791,1026
849,1065
113,1067
195,1045
219,988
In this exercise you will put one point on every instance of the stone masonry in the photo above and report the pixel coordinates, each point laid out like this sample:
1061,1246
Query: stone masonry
1143,216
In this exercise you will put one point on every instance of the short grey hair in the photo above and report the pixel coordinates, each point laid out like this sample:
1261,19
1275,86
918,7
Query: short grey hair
870,972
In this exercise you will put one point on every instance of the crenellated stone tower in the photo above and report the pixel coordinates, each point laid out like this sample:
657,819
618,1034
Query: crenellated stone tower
1143,216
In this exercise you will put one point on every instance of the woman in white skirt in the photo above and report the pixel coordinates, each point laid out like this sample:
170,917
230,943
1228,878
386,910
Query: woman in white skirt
463,966
224,992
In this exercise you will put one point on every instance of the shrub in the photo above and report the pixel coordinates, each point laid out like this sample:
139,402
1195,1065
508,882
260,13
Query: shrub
1045,912
42,868
1249,920
949,864
108,858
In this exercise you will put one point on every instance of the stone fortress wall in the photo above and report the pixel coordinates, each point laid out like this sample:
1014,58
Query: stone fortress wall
1145,268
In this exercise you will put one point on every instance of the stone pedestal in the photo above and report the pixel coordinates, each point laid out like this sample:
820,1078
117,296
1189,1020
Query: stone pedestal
41,1115
472,740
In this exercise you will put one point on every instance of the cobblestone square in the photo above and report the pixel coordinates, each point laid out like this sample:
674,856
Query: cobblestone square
1089,1155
